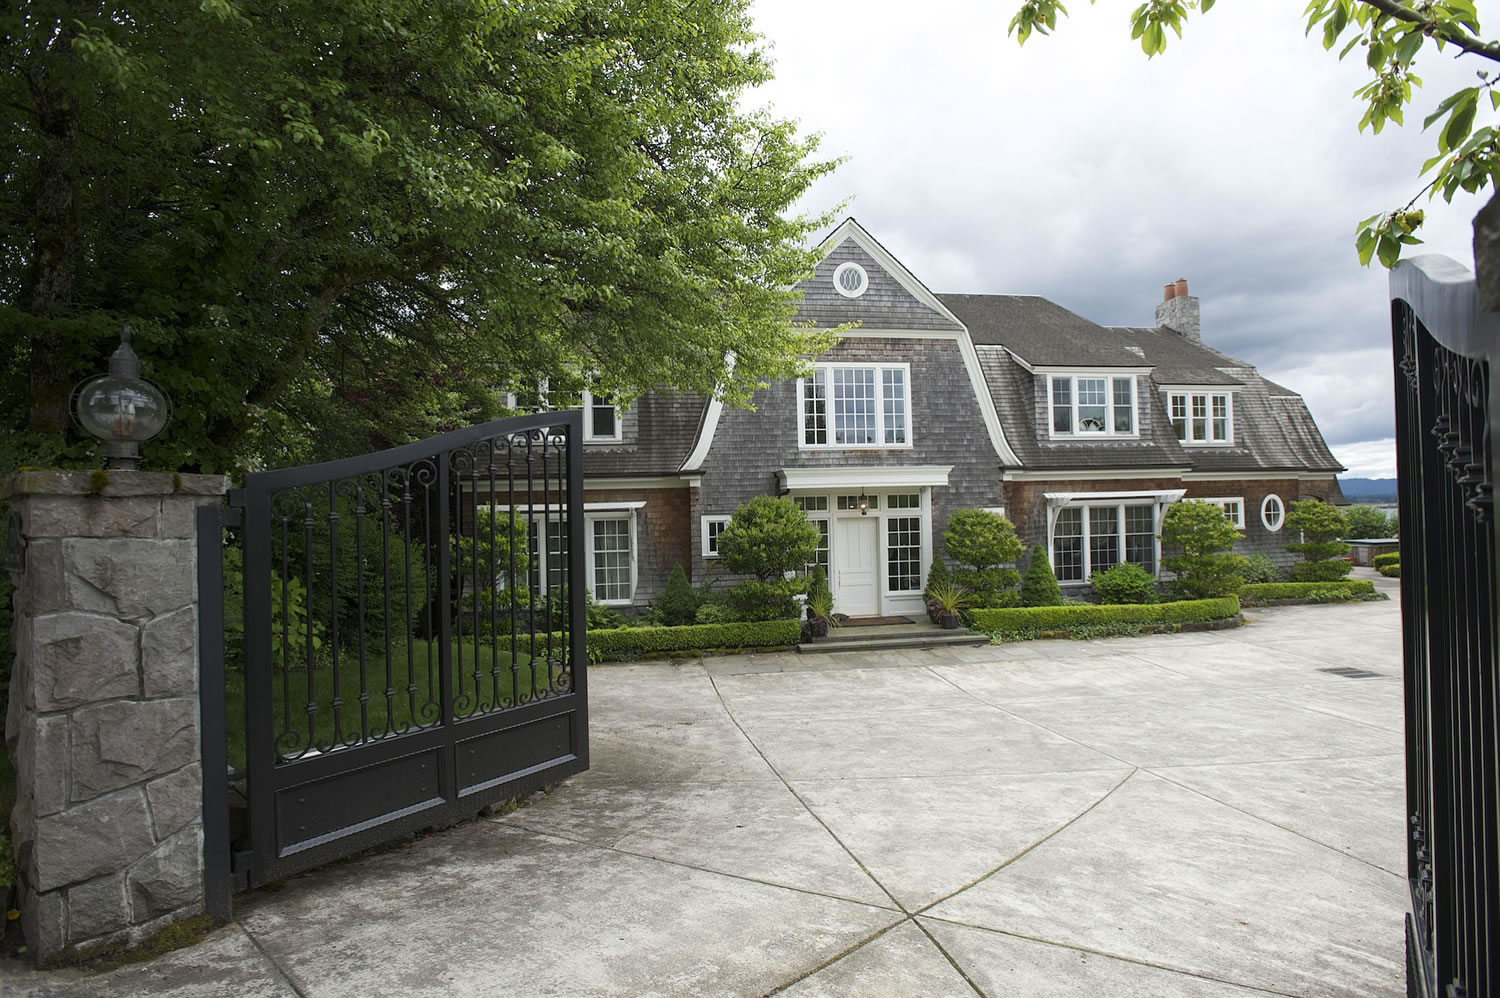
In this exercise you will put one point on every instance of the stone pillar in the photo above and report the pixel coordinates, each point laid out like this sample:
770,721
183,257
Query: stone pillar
103,720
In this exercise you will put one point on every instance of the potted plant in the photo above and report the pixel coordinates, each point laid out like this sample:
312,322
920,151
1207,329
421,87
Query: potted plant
950,600
819,604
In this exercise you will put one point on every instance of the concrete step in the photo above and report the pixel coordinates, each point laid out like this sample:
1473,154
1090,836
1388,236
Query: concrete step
889,638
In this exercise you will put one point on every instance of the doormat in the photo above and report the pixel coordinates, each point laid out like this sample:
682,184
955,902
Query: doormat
871,621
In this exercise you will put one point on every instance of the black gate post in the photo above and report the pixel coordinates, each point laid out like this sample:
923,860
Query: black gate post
211,521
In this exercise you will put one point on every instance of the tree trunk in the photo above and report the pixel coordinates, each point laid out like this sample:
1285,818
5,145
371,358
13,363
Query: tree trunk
1487,254
54,259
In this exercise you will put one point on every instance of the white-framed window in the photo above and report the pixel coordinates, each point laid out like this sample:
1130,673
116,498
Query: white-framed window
602,421
850,279
1272,512
1202,417
713,526
816,509
609,552
1234,509
855,405
903,552
1088,538
1092,405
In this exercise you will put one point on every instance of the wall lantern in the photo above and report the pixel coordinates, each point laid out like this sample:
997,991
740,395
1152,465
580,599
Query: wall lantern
122,408
864,504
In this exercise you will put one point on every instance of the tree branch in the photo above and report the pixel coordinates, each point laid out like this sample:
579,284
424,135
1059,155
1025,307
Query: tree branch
1461,39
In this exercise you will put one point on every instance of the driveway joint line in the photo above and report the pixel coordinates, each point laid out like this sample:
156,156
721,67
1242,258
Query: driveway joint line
285,974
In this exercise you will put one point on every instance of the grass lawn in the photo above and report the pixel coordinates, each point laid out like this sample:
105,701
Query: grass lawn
413,677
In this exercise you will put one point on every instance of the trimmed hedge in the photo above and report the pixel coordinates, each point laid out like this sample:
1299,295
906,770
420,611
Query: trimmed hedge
1389,558
1059,618
1302,590
1391,570
644,641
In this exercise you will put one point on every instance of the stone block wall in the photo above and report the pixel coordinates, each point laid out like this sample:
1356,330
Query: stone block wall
103,724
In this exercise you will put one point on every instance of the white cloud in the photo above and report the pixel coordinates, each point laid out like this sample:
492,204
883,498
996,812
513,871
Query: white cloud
1369,458
1077,169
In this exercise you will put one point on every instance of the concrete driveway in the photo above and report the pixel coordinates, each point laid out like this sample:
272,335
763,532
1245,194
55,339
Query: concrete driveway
1196,815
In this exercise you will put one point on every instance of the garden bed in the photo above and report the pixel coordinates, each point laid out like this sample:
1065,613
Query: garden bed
1299,593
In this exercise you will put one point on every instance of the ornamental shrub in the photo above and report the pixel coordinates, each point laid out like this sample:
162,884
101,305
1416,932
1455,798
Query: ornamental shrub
988,587
1039,587
1389,558
937,576
768,537
1060,618
1304,590
679,600
819,596
1320,527
757,600
1391,570
1203,539
981,540
716,613
636,642
1366,522
1124,583
1259,569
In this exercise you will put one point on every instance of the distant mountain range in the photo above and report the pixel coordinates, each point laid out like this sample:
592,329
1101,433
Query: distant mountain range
1369,490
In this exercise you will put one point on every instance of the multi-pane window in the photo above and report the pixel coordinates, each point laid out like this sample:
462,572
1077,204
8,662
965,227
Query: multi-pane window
611,560
1234,509
601,416
1088,539
1092,404
1201,418
1067,545
850,406
1272,512
813,505
713,526
903,545
905,500
551,553
854,502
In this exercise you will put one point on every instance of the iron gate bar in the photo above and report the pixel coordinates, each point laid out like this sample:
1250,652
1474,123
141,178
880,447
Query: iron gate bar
209,524
313,798
1447,425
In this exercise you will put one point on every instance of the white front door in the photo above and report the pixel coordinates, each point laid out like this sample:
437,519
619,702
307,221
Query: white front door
856,564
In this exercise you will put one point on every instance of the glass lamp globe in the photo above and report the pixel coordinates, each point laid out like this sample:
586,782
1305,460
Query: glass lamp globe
122,408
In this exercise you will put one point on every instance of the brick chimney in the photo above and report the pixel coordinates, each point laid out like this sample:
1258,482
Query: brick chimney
1178,311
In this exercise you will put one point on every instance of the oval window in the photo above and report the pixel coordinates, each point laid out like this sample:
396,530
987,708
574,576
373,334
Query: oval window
1272,513
850,280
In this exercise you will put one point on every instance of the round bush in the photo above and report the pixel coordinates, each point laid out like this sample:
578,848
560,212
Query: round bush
1125,583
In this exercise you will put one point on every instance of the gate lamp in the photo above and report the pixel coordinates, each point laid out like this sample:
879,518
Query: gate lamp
122,408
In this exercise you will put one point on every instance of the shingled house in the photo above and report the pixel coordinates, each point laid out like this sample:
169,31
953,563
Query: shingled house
1081,434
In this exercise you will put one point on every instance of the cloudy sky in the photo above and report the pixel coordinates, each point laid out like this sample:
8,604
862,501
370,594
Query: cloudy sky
1076,169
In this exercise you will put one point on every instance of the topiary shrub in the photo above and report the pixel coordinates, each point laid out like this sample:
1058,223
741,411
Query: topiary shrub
1124,583
1389,558
1039,587
768,537
819,596
1203,539
937,575
1259,569
1059,618
1320,527
1345,589
1391,570
757,600
679,600
986,543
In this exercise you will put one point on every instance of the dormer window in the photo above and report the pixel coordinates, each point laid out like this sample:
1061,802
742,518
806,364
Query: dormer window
1085,405
1201,417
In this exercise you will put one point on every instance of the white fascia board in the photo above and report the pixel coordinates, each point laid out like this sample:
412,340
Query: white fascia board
1161,495
986,402
1094,475
706,432
588,507
1204,389
1076,369
880,477
1257,476
851,229
1025,364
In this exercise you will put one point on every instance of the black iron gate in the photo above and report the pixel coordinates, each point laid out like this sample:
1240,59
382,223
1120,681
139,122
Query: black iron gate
1446,426
403,644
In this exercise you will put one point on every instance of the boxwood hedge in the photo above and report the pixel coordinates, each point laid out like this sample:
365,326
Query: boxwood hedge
1060,618
1304,590
640,642
1389,558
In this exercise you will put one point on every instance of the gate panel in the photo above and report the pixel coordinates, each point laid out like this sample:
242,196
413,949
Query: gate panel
1446,423
413,638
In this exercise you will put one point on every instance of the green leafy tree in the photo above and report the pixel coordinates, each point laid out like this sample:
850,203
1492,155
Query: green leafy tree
1039,586
1389,36
340,226
1320,528
1201,540
1366,522
768,537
